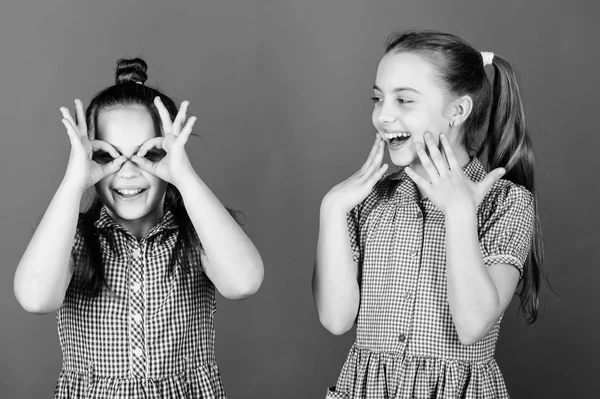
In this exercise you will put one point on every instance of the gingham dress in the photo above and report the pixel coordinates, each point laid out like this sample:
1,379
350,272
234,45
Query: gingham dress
155,338
406,344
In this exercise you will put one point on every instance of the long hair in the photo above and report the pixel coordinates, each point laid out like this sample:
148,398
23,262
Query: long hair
506,142
129,89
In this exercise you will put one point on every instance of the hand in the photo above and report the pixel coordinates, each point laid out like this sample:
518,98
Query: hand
83,170
175,166
355,189
449,188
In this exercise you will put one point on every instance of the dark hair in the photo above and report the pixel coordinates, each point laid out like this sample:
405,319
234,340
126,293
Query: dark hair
505,143
129,89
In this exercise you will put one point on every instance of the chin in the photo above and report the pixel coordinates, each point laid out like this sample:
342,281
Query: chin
137,209
403,158
131,214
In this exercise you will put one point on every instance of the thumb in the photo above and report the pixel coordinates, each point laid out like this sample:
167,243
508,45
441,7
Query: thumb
114,165
486,184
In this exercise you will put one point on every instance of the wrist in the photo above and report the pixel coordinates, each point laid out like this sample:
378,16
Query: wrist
185,180
72,187
461,213
330,206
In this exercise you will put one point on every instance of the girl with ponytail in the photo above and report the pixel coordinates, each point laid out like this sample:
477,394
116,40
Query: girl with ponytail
133,278
425,261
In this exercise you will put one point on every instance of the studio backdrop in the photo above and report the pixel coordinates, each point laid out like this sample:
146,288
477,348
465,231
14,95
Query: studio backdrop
281,90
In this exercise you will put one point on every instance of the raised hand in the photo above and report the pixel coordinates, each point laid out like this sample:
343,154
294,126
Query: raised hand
83,169
175,166
355,189
449,188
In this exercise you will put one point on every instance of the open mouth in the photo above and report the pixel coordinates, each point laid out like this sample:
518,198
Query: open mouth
397,138
128,193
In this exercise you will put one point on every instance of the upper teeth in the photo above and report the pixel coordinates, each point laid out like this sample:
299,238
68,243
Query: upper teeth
391,136
129,192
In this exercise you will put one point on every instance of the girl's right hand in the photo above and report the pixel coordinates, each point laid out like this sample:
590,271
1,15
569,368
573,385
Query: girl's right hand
354,190
83,171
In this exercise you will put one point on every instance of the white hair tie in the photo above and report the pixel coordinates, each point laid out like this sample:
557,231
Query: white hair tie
488,57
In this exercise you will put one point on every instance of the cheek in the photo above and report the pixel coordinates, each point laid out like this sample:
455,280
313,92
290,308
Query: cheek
157,185
102,186
424,120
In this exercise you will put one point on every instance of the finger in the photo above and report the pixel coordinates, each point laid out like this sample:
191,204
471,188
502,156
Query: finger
156,142
436,156
375,177
419,181
450,156
187,130
374,163
67,115
81,124
486,184
104,146
145,164
113,166
377,146
71,131
167,124
181,115
427,164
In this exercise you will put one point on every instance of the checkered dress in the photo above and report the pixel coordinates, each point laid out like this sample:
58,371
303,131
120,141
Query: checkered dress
154,338
406,344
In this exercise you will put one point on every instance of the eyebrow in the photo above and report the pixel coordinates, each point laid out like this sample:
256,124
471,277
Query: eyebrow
398,89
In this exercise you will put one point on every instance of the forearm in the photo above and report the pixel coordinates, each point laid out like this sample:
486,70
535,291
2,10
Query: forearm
335,277
234,264
44,272
472,295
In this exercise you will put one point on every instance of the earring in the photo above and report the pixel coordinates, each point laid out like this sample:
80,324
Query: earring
452,123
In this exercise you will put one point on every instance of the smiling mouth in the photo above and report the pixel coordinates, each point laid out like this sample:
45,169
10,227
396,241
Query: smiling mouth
396,138
129,193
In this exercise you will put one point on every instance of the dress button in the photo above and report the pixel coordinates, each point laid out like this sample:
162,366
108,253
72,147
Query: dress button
419,214
407,295
136,253
401,337
138,352
135,287
414,253
137,317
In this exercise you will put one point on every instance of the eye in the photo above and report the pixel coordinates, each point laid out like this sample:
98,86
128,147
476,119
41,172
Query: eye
155,155
403,101
376,99
102,157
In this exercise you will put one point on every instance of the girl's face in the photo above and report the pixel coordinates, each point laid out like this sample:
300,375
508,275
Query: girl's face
409,101
134,198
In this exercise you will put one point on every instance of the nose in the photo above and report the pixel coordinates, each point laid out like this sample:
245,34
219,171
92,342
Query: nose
386,113
128,170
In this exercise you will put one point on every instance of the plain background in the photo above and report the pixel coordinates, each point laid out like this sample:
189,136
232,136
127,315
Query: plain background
281,89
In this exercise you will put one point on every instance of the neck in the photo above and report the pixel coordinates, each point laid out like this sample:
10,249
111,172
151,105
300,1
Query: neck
140,227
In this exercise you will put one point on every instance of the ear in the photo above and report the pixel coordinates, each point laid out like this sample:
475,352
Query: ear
460,109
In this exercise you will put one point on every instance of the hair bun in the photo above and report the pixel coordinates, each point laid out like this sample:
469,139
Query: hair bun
131,71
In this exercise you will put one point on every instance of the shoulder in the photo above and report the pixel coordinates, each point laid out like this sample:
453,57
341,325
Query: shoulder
506,195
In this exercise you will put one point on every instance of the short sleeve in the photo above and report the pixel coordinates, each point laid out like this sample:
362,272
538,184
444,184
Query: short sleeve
506,231
78,245
354,231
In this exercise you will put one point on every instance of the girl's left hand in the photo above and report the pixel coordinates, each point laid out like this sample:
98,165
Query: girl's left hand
175,166
449,189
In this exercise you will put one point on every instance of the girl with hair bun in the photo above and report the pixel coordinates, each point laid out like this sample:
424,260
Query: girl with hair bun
132,279
425,261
